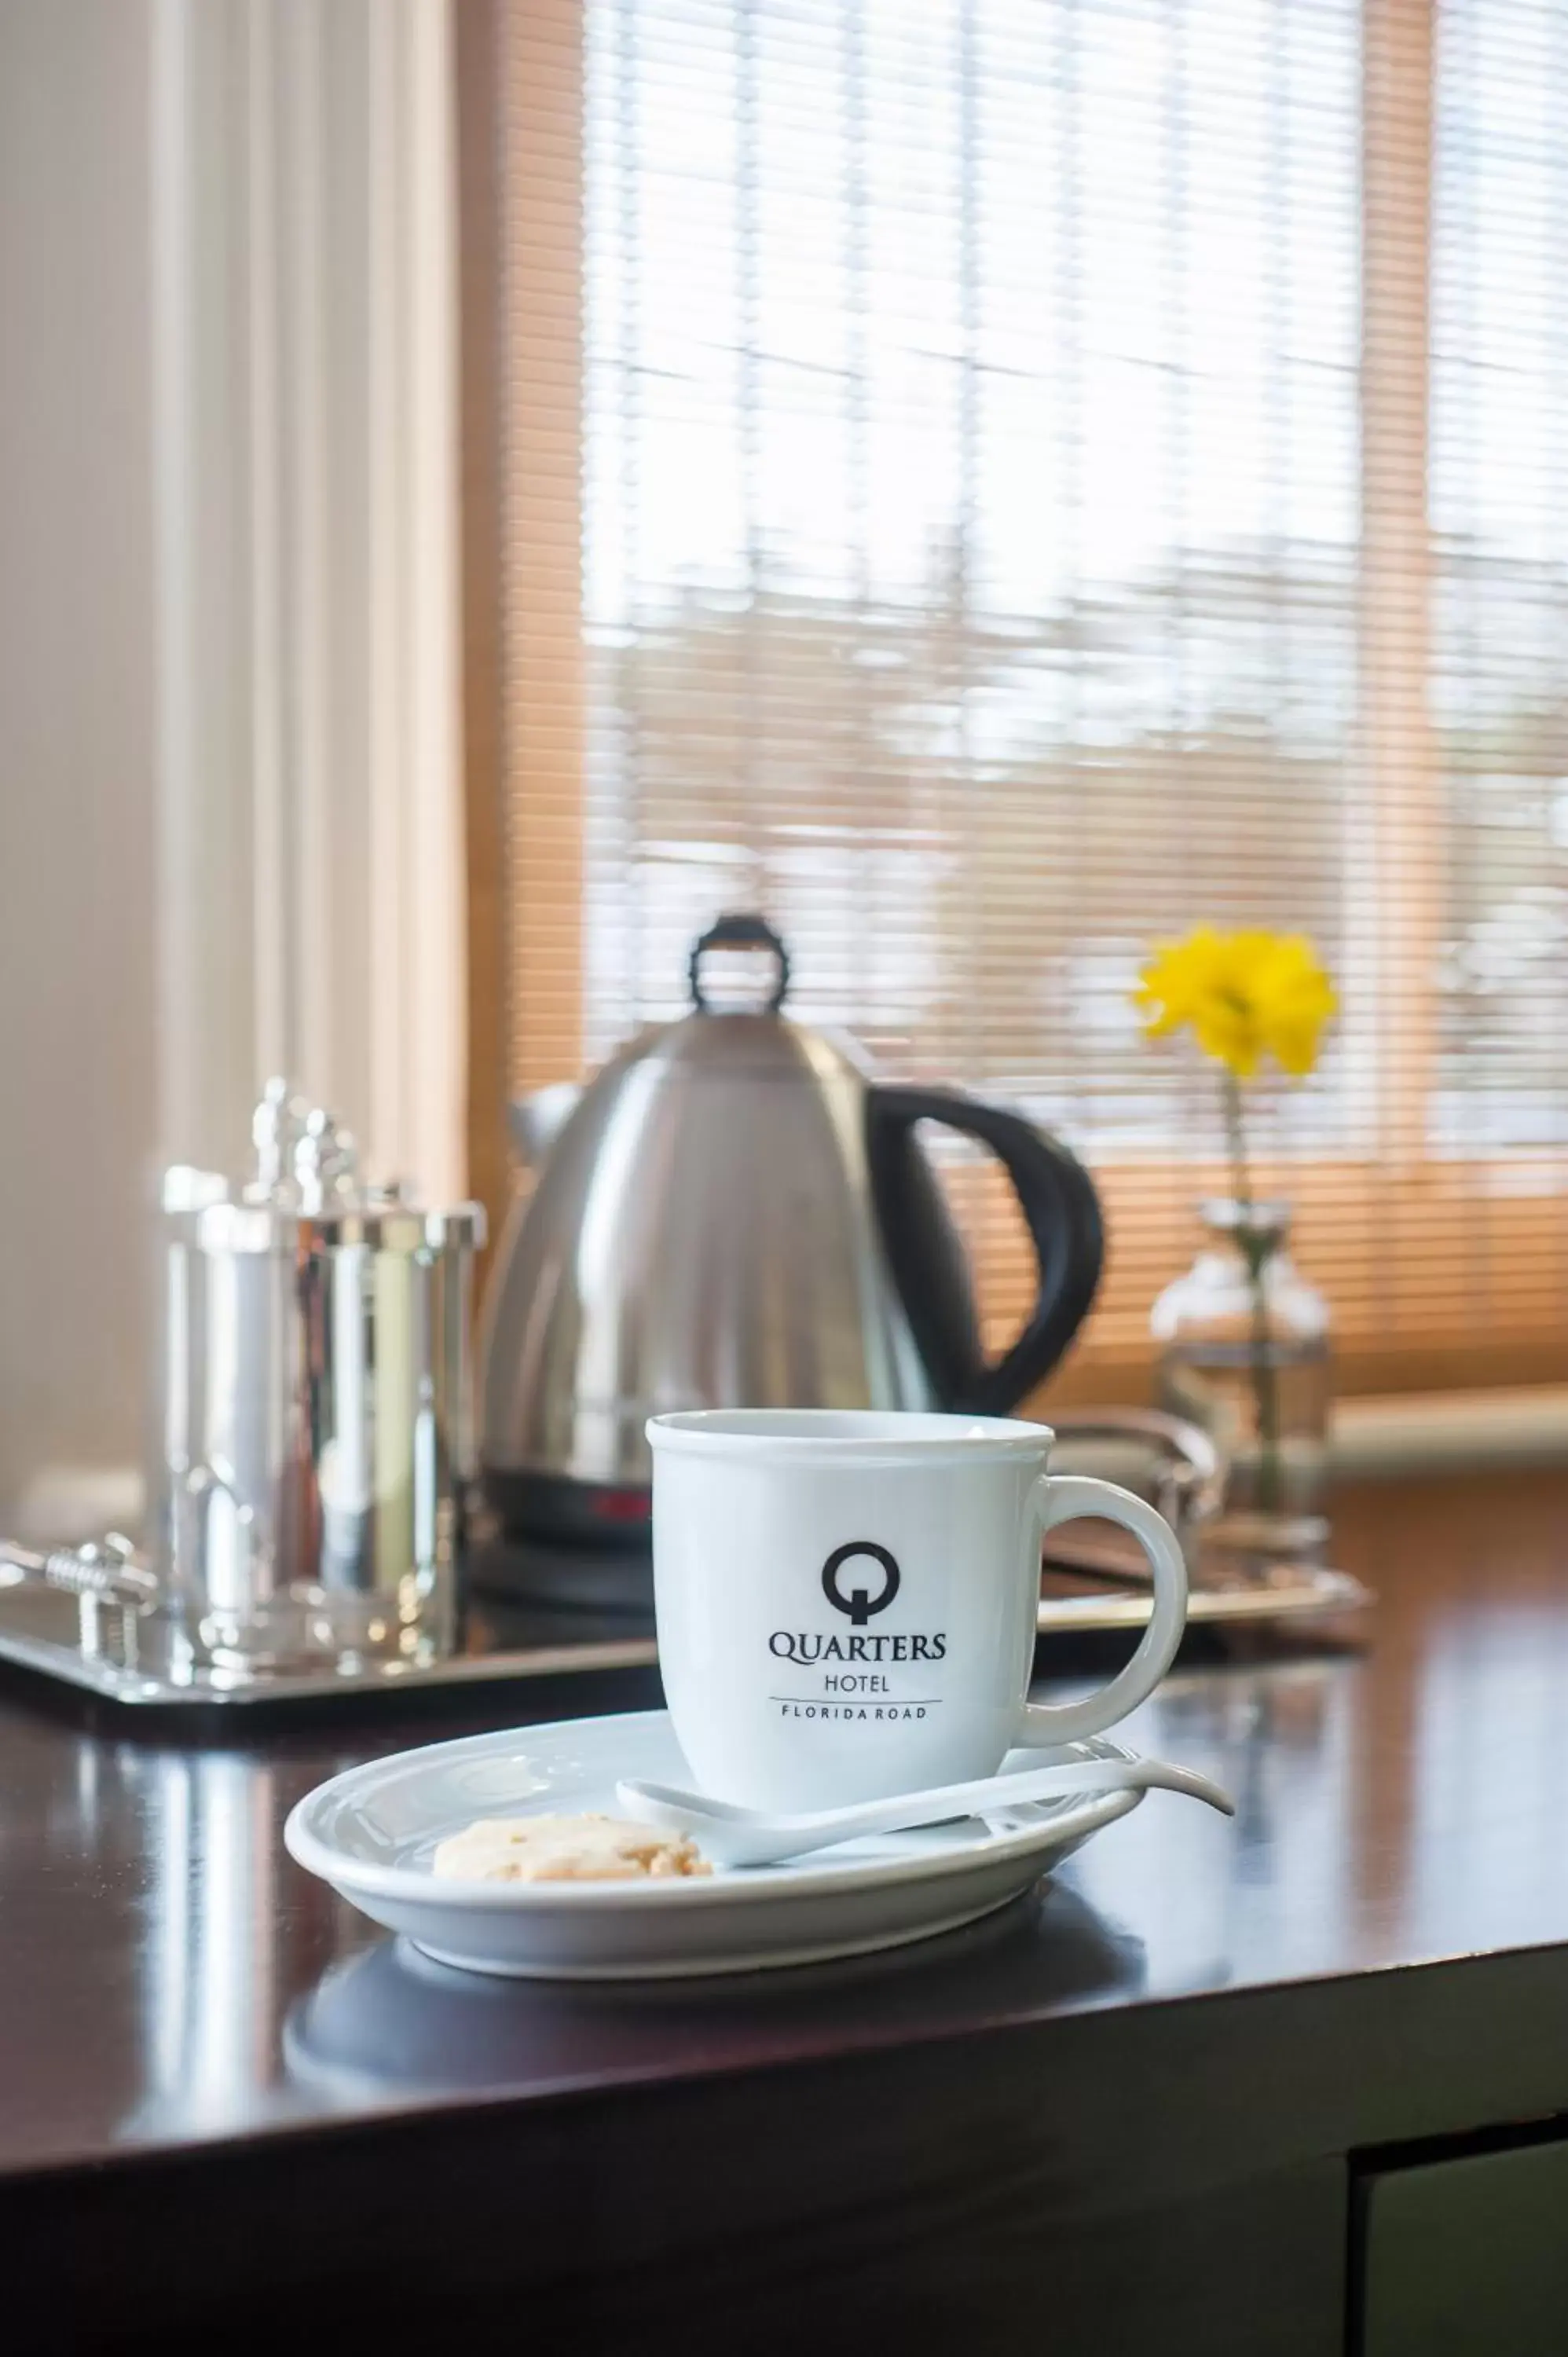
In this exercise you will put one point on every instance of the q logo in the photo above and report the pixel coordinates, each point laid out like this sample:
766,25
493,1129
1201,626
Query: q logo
859,1603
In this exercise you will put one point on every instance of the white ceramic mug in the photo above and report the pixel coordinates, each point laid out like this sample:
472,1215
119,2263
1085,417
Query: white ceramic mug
847,1601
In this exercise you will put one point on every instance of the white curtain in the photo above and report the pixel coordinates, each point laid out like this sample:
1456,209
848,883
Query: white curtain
230,799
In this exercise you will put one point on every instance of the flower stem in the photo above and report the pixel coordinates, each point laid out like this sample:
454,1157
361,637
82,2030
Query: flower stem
1256,1250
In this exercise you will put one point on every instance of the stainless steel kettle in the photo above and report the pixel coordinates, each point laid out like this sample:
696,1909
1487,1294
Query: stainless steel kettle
735,1213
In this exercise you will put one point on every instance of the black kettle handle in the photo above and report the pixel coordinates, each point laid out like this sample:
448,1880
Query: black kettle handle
738,931
1061,1209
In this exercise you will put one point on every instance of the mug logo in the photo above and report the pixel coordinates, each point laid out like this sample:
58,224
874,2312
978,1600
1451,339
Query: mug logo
860,1604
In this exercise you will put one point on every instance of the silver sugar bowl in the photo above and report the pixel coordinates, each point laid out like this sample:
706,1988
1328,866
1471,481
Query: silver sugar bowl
317,1429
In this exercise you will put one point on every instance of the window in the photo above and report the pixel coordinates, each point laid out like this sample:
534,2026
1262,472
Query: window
1500,516
991,481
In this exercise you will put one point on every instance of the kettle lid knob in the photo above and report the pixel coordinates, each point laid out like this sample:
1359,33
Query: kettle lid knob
740,930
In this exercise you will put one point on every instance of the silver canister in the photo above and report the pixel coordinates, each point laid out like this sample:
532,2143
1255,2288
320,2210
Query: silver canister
318,1431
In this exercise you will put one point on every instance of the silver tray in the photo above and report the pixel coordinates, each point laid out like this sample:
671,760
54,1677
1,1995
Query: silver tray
85,1645
1293,1593
133,1659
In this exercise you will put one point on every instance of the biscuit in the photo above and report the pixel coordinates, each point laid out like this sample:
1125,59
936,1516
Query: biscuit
567,1849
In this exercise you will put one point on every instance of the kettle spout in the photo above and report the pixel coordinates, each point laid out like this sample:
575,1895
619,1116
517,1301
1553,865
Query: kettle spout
536,1122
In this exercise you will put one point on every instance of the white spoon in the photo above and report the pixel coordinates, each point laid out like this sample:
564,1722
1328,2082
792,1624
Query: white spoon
735,1836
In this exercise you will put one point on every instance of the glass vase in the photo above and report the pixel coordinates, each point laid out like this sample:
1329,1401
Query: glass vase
1244,1352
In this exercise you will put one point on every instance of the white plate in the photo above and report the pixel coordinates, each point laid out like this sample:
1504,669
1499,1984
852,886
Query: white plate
371,1833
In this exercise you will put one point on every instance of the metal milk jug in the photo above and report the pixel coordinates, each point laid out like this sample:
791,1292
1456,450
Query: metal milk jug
317,1430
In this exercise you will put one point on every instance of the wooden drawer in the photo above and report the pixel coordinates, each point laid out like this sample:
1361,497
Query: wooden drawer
1468,2257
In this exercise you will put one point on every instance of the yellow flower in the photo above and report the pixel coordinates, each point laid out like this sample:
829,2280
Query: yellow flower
1246,995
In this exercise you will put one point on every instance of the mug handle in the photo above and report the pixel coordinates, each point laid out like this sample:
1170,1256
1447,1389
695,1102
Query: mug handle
1062,1498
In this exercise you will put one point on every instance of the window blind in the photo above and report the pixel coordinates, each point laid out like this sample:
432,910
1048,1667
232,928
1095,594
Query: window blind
993,482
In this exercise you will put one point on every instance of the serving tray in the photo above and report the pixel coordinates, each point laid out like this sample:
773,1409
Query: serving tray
135,1660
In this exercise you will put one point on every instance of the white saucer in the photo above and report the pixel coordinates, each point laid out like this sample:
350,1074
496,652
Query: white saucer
370,1833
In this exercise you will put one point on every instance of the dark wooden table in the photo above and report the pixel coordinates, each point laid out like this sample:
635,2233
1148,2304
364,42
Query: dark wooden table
1130,2113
